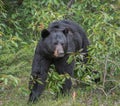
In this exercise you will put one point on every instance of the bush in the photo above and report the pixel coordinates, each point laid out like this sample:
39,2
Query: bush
20,27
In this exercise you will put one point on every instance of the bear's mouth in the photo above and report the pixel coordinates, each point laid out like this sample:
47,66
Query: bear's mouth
58,54
61,55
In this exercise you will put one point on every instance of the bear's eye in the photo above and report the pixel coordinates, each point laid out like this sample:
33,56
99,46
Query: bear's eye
55,43
62,44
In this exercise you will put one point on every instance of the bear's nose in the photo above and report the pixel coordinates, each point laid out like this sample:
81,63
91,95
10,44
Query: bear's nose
61,54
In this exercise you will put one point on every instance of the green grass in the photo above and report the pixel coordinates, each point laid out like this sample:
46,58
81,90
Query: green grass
86,96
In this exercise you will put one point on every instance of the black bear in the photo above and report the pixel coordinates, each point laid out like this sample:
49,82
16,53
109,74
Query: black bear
57,42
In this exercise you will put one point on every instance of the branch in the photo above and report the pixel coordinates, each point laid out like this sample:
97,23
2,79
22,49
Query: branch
70,3
20,2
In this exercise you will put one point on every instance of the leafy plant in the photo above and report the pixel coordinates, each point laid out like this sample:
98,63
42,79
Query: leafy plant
20,28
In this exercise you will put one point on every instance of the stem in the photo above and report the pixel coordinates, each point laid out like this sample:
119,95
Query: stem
70,3
105,71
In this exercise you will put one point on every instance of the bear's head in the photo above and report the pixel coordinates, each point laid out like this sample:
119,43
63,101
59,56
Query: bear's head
55,42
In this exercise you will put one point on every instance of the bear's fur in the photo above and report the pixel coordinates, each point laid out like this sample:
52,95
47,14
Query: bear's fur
59,40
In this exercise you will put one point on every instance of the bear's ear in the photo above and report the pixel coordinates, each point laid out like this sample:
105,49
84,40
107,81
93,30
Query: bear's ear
45,33
65,31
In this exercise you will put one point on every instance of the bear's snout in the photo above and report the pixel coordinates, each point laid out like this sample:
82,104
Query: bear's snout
59,52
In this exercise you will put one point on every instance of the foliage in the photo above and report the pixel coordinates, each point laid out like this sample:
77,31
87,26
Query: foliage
56,81
20,27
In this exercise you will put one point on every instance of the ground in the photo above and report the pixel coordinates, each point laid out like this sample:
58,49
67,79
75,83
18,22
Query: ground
18,96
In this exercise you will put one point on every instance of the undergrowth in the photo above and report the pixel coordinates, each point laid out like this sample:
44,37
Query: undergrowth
20,27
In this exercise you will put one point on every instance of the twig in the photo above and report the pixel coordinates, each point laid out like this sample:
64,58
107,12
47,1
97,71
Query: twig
20,2
70,3
113,88
105,71
102,91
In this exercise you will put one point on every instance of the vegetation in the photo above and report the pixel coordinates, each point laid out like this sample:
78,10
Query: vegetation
20,24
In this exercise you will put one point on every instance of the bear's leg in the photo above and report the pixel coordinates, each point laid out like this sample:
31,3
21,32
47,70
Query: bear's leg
66,86
40,68
38,85
63,67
